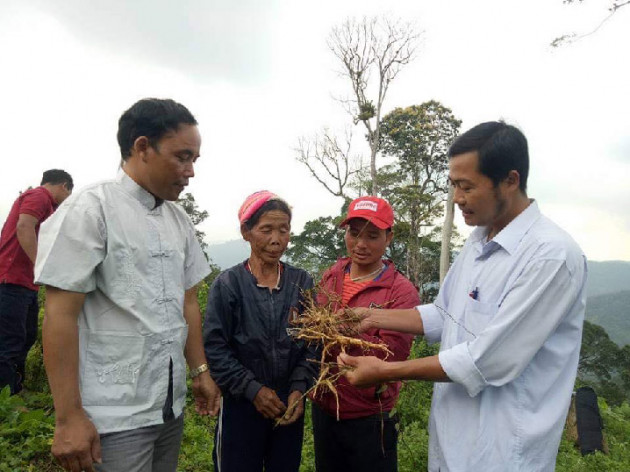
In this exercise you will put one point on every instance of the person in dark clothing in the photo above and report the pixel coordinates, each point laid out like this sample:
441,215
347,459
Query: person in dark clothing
364,436
18,293
261,371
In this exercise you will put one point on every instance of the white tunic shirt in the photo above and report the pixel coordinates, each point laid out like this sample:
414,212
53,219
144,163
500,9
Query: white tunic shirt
134,261
509,317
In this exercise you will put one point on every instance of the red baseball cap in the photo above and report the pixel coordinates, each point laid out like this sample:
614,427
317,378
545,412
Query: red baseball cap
376,210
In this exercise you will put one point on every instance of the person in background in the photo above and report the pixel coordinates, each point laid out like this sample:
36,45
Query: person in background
121,264
262,371
19,309
365,437
509,319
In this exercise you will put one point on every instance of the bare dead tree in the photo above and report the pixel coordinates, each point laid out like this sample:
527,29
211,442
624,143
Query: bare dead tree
370,47
328,159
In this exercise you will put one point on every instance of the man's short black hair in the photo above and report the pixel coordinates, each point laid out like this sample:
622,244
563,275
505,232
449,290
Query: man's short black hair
57,176
153,118
500,147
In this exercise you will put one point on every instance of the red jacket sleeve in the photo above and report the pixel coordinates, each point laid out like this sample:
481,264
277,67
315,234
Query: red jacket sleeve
405,295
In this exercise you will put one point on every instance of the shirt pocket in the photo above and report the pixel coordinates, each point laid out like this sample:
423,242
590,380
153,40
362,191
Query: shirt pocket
112,365
477,315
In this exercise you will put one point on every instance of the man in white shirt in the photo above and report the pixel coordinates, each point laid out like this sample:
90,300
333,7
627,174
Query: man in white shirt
121,264
508,316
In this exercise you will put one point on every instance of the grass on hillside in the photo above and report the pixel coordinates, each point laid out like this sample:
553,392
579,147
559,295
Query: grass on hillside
27,424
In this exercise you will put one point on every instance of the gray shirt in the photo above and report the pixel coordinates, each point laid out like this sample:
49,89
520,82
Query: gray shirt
134,261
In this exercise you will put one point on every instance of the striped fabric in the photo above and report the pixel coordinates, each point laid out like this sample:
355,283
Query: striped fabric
351,288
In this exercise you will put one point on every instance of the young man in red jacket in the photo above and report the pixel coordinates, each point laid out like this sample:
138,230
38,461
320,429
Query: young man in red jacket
365,437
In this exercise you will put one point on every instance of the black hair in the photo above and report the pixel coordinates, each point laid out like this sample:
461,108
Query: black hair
57,176
269,205
500,147
153,118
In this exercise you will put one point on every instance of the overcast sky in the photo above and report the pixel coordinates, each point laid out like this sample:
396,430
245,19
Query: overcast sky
257,75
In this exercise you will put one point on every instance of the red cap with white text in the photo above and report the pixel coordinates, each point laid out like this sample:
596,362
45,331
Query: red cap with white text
376,210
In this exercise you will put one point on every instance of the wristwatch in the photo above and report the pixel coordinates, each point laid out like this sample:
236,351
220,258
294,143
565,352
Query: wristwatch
198,370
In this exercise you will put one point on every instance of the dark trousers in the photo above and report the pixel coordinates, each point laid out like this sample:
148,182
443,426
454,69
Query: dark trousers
18,332
245,441
366,444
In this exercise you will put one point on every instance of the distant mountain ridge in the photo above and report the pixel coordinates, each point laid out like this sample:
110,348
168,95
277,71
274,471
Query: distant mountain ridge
608,277
229,253
612,312
608,300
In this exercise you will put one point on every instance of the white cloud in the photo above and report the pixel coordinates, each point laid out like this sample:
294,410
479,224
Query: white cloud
600,233
204,38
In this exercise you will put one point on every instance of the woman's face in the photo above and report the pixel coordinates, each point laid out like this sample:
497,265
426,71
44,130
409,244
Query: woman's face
269,237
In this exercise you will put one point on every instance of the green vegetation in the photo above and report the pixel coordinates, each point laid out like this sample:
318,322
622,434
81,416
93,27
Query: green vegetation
26,429
604,365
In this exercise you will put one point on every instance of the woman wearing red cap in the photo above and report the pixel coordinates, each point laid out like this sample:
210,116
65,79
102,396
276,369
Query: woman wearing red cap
365,437
260,369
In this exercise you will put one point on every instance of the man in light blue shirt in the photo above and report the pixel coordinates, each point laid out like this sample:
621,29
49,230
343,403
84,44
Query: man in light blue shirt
508,316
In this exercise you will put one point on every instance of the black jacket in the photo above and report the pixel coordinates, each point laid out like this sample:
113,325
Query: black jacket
245,336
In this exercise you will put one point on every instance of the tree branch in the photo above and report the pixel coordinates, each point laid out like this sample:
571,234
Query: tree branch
571,38
327,161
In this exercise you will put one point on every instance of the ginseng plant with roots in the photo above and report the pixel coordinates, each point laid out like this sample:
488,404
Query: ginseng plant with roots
332,331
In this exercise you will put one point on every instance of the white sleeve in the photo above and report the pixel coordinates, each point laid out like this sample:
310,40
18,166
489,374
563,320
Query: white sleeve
196,266
535,305
432,322
71,243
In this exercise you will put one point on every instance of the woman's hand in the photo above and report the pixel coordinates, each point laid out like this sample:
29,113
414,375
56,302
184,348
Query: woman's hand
295,409
268,404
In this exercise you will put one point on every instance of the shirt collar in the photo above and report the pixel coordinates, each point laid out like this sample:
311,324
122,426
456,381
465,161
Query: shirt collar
132,188
510,236
50,196
478,234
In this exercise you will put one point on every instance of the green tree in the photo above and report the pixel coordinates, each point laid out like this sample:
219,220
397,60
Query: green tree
318,246
603,365
197,216
416,184
599,356
625,362
417,138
